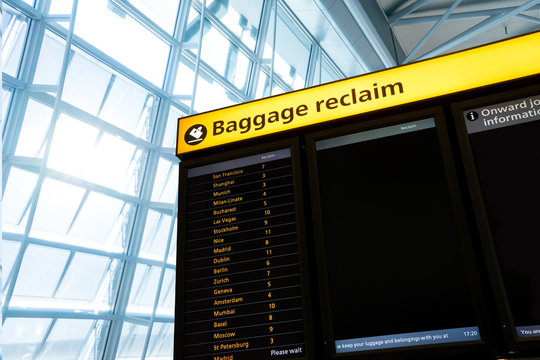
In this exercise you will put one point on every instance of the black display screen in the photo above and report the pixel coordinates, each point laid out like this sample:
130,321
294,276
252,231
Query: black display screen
505,142
393,254
242,285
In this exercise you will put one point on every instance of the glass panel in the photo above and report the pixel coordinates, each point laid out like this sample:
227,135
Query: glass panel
144,289
85,73
328,74
20,337
276,89
33,135
72,146
211,95
224,57
129,107
166,183
67,339
169,139
83,277
14,29
84,284
56,208
109,96
100,220
166,298
116,164
193,25
263,86
42,283
50,59
241,17
161,342
185,76
10,249
61,7
132,341
156,235
7,92
172,249
217,51
184,81
81,150
18,193
291,52
98,336
122,38
101,223
162,12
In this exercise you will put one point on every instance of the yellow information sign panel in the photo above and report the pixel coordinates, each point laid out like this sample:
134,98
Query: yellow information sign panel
485,65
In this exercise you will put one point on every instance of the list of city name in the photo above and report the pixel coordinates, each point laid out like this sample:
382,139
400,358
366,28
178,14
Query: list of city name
242,281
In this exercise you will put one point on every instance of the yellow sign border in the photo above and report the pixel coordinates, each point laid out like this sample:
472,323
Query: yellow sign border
485,65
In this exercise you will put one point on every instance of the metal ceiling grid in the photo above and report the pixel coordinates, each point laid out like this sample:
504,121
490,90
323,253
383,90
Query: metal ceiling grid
426,28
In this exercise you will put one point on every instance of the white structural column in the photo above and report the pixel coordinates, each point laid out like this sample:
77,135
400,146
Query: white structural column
363,20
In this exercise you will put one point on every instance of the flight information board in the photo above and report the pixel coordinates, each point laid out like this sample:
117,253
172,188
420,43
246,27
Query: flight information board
392,250
505,145
242,283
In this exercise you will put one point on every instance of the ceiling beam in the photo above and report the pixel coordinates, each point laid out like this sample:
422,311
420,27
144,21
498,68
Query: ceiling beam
477,29
456,16
529,18
363,18
406,11
330,12
432,30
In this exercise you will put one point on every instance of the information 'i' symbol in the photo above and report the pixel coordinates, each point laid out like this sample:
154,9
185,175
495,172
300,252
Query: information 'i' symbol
472,115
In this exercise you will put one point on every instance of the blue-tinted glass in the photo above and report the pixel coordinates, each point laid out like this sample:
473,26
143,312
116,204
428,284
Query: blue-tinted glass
169,139
122,38
18,193
166,299
162,12
7,92
22,336
31,285
9,249
144,290
161,342
14,31
70,339
50,59
109,96
224,57
212,95
156,235
291,54
166,182
33,133
241,17
132,341
60,7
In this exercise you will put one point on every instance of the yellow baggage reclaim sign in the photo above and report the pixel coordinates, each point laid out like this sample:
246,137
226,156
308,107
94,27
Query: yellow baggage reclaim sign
469,69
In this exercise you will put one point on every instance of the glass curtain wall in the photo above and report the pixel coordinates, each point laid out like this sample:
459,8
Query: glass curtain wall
91,94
